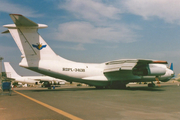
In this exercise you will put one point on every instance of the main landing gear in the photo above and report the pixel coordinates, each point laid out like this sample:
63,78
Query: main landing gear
99,87
152,84
115,85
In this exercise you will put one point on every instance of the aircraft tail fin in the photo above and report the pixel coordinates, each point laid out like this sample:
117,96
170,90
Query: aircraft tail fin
10,72
171,66
31,44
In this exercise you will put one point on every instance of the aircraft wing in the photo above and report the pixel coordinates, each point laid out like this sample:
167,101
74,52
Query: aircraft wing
128,64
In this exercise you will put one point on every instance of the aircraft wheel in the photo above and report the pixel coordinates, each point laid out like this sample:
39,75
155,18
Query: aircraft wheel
151,85
99,87
122,86
119,86
107,87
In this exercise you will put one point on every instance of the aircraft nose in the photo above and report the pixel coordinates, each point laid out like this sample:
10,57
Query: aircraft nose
172,72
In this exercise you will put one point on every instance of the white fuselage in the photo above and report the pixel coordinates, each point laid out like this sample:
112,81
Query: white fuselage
35,79
92,74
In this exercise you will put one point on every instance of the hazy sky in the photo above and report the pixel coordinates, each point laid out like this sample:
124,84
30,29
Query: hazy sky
98,30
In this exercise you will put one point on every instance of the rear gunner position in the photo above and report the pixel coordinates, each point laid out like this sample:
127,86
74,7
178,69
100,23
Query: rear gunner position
39,57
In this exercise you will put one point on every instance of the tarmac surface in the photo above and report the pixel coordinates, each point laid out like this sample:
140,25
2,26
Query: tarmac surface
137,102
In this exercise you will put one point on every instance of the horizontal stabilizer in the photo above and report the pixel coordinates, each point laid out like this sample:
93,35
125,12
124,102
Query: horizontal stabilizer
7,31
20,20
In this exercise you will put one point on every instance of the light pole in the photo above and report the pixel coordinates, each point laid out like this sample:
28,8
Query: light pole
1,58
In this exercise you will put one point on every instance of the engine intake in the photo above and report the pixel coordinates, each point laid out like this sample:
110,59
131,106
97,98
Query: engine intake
149,71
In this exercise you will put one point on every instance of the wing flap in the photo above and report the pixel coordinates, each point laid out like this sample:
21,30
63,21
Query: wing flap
118,65
128,64
124,66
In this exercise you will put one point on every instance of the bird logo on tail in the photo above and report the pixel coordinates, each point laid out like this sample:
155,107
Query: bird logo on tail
39,46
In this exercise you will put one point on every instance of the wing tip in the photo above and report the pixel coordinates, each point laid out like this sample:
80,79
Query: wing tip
160,62
16,14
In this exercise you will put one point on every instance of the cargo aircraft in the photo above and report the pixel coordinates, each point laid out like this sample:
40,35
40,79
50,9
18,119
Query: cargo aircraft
46,80
39,57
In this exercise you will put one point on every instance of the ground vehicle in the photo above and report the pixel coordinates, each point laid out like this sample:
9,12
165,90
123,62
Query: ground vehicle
6,87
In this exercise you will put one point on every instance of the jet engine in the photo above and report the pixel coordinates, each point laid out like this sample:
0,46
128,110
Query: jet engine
150,70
